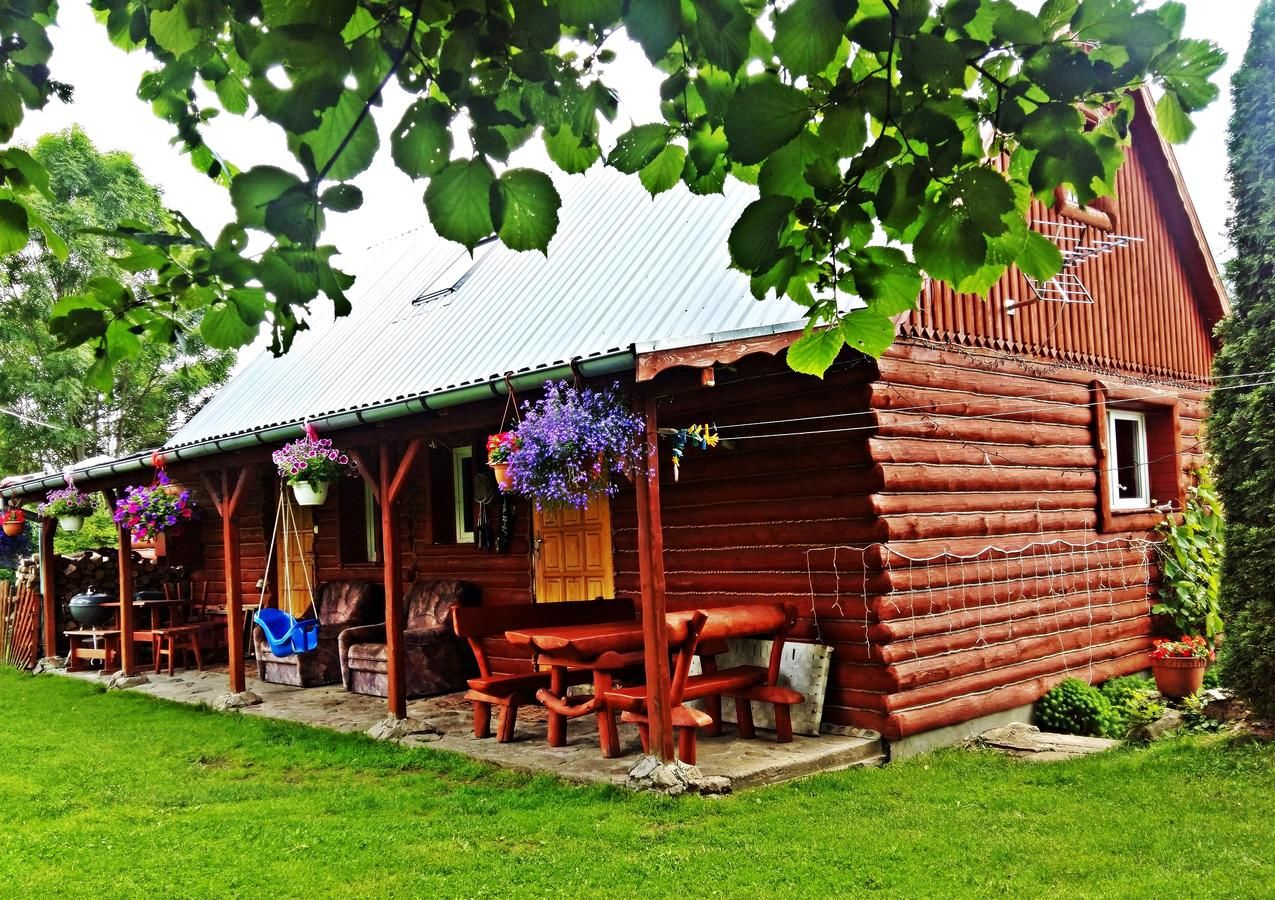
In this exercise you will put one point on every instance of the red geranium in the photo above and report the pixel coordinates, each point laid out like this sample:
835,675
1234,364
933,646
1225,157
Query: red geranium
1190,647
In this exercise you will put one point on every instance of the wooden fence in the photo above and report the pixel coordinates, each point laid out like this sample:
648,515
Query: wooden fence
19,624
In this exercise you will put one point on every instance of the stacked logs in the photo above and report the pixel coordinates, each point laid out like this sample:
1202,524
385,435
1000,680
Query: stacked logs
98,570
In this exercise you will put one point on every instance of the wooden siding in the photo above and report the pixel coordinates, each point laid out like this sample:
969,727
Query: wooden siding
1146,318
979,450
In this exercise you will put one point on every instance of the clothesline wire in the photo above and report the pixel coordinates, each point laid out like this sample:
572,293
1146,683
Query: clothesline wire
1001,415
929,407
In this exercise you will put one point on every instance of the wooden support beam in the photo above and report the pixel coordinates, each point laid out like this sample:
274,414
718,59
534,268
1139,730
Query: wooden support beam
404,469
48,585
214,494
651,580
128,651
391,554
229,508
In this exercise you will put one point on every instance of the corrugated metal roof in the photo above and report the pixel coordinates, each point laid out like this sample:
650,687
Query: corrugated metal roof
624,270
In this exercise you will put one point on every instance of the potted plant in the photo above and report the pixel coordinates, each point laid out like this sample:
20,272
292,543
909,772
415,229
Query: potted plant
499,448
572,444
1179,665
149,511
14,522
310,464
1191,563
69,505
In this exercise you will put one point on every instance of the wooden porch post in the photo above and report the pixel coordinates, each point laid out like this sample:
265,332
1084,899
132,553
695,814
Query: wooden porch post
651,581
390,485
128,651
48,585
226,502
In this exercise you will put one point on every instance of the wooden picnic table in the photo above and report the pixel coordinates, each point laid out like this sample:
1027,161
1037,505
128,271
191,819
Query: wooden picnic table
178,609
607,648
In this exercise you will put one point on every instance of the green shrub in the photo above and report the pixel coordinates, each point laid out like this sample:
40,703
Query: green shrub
1134,702
1191,560
1074,707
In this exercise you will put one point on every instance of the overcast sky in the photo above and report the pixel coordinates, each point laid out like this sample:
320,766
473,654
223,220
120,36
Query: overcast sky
105,80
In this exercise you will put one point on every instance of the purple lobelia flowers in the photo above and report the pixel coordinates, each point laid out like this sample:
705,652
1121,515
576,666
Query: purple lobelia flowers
573,443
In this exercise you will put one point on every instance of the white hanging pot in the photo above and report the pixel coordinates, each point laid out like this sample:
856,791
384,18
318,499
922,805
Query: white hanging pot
70,523
310,493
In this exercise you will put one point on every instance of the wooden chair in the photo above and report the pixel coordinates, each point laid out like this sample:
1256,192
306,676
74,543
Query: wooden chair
174,640
507,677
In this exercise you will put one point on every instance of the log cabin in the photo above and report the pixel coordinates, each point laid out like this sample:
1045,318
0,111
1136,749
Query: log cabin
964,521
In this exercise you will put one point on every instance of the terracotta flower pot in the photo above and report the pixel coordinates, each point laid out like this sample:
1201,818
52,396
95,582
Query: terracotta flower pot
501,470
1177,676
13,529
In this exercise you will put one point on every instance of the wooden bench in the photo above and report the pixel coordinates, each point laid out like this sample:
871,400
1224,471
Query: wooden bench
507,677
84,647
706,632
176,639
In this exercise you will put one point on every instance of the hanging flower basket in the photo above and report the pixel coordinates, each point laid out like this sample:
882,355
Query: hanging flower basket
310,464
573,445
14,522
1179,666
499,448
69,505
149,511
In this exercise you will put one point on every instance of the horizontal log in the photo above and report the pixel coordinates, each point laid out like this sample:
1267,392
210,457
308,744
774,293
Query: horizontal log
744,534
1072,660
900,478
911,675
905,723
833,504
982,431
958,399
932,552
986,501
939,525
854,718
742,460
1044,588
944,451
995,567
908,629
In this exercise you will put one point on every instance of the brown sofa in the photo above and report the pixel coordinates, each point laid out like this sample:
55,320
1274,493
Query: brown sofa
437,660
340,605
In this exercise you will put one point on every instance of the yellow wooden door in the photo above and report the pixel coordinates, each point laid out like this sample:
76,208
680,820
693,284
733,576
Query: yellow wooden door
573,553
295,552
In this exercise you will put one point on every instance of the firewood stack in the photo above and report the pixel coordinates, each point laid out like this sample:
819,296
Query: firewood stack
99,569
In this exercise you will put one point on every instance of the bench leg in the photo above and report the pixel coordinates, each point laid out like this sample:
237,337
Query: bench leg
73,661
482,719
194,647
713,706
783,723
744,718
686,745
644,732
608,732
557,721
509,720
156,652
172,652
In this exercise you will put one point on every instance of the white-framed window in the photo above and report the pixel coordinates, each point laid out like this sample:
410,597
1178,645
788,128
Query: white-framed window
463,492
1128,473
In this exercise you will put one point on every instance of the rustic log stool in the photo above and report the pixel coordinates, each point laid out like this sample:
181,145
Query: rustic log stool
174,640
83,648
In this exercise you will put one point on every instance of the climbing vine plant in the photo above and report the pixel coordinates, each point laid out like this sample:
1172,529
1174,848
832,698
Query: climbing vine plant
872,129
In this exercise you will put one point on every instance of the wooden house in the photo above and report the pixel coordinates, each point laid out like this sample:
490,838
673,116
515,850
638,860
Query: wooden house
964,521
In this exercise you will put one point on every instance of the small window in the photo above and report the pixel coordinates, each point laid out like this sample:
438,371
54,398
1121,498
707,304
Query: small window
1127,471
359,524
463,492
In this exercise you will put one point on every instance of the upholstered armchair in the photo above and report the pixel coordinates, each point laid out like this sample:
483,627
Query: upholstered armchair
339,605
437,661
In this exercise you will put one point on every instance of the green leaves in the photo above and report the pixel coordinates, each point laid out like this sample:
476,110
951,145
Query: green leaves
524,209
661,173
815,351
638,146
459,201
1172,120
235,321
421,144
755,238
14,233
763,116
950,246
807,35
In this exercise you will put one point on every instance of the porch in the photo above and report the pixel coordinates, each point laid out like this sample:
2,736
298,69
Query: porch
745,763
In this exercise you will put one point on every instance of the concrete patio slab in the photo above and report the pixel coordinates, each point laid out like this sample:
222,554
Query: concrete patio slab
747,763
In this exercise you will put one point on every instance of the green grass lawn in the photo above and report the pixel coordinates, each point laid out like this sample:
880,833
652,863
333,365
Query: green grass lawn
119,795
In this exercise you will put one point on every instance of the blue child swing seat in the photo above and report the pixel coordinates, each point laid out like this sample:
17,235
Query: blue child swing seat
285,633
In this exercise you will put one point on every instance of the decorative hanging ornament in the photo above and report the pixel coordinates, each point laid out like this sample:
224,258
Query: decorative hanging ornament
701,437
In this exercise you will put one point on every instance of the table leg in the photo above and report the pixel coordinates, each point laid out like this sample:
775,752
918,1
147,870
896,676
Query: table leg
74,662
557,721
608,734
